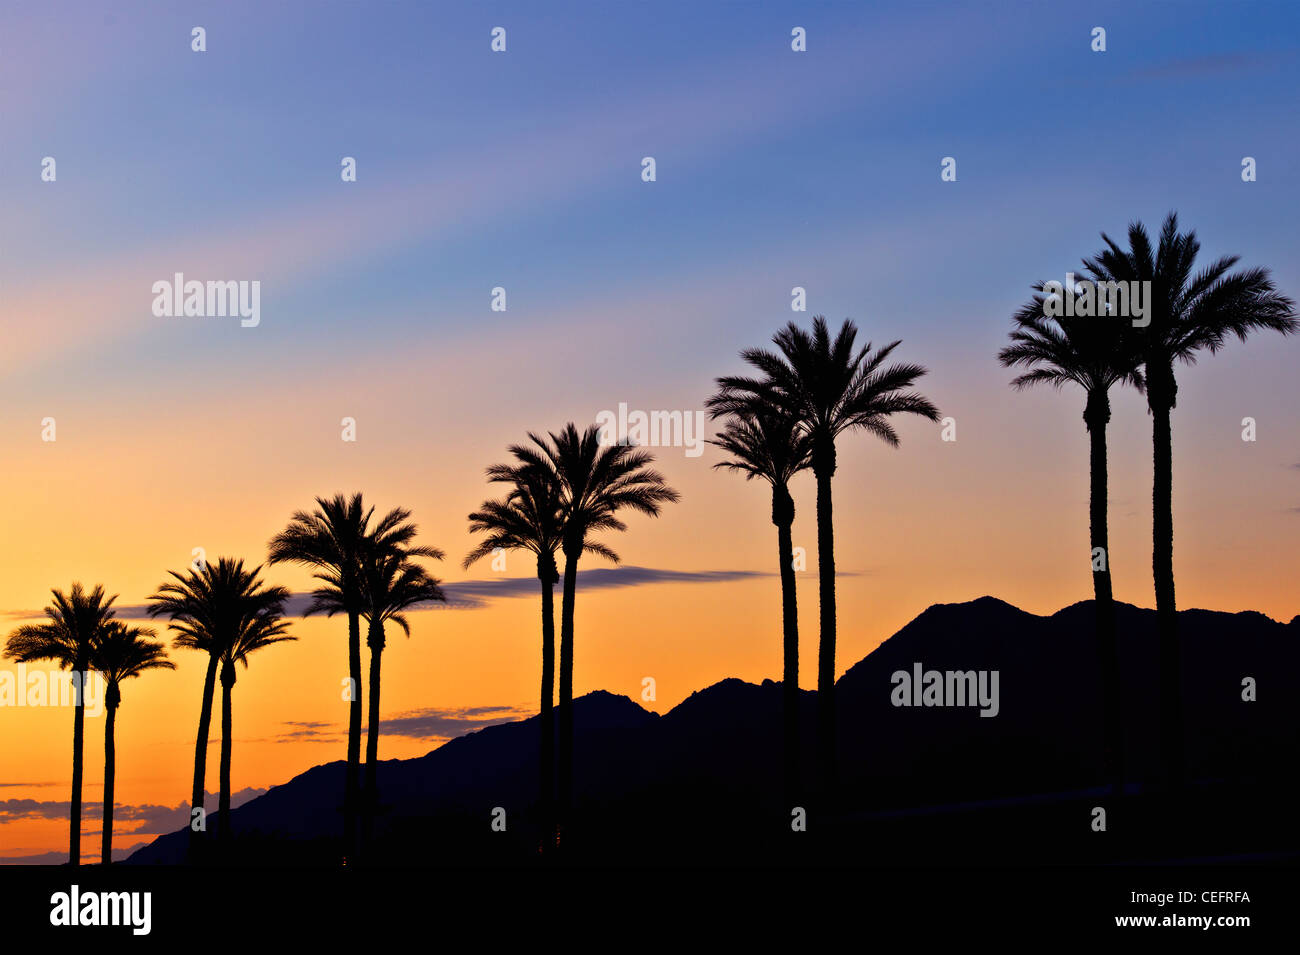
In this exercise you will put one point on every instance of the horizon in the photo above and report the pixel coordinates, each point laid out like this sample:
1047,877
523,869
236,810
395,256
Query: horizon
477,171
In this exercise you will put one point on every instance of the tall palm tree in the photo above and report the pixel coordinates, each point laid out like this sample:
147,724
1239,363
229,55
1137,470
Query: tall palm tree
831,388
1094,353
259,629
117,653
392,584
766,442
75,622
209,607
596,482
331,539
1189,312
530,518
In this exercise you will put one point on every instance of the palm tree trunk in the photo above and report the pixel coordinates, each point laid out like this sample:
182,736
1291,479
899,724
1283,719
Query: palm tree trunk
375,640
223,800
1103,597
546,752
110,769
1162,566
78,745
566,688
351,782
826,650
201,752
783,517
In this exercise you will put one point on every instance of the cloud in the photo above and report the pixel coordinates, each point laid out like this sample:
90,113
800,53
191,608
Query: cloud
58,857
447,723
147,817
1211,65
305,731
474,594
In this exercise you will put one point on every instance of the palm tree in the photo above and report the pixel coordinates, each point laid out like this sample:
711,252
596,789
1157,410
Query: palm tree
209,607
117,653
530,518
1188,313
392,584
75,622
332,539
596,481
258,629
1094,353
766,442
831,389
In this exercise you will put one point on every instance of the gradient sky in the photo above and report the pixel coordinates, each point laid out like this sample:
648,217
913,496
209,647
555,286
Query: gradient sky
522,170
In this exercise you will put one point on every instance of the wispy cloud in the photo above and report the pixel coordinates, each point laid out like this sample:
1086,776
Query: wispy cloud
474,594
443,723
147,818
1212,65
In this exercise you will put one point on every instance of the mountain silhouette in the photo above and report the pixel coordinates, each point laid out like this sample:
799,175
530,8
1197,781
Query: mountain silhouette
920,784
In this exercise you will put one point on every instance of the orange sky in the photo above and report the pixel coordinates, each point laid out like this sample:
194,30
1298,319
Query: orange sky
994,512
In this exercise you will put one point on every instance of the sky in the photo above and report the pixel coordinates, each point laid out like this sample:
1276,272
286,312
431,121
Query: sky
522,170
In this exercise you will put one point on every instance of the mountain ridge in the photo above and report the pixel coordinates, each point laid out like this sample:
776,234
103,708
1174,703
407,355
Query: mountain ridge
721,744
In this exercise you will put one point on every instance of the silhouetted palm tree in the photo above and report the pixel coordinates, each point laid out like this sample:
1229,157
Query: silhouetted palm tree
117,653
1094,353
209,607
75,621
331,540
1189,312
392,584
264,628
596,482
766,442
530,518
831,388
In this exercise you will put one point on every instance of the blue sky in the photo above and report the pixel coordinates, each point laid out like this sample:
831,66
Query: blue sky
763,155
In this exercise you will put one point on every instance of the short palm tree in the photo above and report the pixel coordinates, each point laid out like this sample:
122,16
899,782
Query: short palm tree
117,653
258,630
766,442
75,622
530,518
596,482
831,387
1189,313
209,607
1095,353
331,540
392,584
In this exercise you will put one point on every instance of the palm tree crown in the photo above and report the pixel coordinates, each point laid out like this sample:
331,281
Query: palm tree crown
121,651
828,386
75,622
765,441
529,518
597,480
1094,353
393,584
1189,311
211,607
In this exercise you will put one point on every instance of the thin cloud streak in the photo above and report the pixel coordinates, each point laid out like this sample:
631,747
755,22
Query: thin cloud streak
476,594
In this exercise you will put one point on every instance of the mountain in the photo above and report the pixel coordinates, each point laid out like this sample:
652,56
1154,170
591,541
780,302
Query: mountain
920,782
